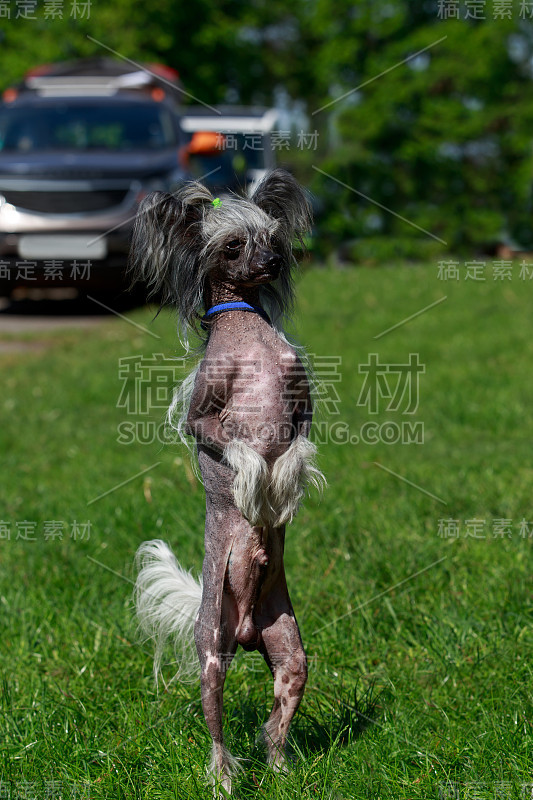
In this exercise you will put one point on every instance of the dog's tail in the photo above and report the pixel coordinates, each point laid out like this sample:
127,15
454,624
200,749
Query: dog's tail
167,599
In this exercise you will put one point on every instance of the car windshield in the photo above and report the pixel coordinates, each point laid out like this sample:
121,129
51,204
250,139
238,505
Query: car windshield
229,166
64,126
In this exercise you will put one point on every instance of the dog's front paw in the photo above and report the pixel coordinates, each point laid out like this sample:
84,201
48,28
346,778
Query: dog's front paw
250,482
291,474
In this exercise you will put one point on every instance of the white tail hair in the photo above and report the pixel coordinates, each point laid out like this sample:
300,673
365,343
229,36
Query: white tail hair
167,599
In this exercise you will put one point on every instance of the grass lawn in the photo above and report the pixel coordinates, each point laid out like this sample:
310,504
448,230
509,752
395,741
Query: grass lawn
411,578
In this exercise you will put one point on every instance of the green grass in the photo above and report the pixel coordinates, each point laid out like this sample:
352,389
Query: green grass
423,683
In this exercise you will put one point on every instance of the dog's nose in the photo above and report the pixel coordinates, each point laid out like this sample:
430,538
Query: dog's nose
270,260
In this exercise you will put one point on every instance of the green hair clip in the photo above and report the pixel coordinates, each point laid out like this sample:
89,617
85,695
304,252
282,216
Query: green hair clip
217,202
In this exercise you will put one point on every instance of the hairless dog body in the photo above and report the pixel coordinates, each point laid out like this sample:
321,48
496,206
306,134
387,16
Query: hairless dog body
250,413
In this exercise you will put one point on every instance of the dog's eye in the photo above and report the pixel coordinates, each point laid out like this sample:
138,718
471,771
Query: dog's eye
233,249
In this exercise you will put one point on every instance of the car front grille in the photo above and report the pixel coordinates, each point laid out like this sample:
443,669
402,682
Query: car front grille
65,202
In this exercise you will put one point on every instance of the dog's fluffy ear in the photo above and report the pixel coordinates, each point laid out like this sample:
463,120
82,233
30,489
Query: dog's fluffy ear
280,196
165,244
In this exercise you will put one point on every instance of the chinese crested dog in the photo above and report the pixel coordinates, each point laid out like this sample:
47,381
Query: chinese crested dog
248,407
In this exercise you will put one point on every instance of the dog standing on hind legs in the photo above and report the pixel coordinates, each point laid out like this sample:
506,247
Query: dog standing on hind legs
248,407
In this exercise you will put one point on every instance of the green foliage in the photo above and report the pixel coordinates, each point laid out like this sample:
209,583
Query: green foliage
227,50
444,141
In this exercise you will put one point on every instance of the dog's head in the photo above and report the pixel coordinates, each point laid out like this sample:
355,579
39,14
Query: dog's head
182,241
242,244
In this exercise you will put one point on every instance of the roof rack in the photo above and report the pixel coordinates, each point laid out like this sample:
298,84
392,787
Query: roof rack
94,85
97,77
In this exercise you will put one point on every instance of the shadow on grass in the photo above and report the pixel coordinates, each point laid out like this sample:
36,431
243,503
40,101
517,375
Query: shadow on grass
327,719
337,718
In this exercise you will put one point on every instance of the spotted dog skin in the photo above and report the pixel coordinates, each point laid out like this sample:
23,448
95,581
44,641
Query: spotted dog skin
250,414
242,559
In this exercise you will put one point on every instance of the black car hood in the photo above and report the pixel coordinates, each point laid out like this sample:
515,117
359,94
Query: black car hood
87,164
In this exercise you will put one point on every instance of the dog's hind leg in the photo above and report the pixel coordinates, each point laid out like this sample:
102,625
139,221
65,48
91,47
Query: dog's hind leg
216,643
216,647
282,648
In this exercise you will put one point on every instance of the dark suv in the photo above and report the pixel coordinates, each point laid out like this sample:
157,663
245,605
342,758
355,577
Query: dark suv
76,158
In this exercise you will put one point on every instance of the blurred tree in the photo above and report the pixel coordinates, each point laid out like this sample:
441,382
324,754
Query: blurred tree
443,140
223,49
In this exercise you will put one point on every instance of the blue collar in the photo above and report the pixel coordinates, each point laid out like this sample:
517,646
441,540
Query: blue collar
239,305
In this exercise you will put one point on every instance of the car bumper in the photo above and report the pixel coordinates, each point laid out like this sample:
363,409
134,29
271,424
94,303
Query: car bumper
63,270
46,250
